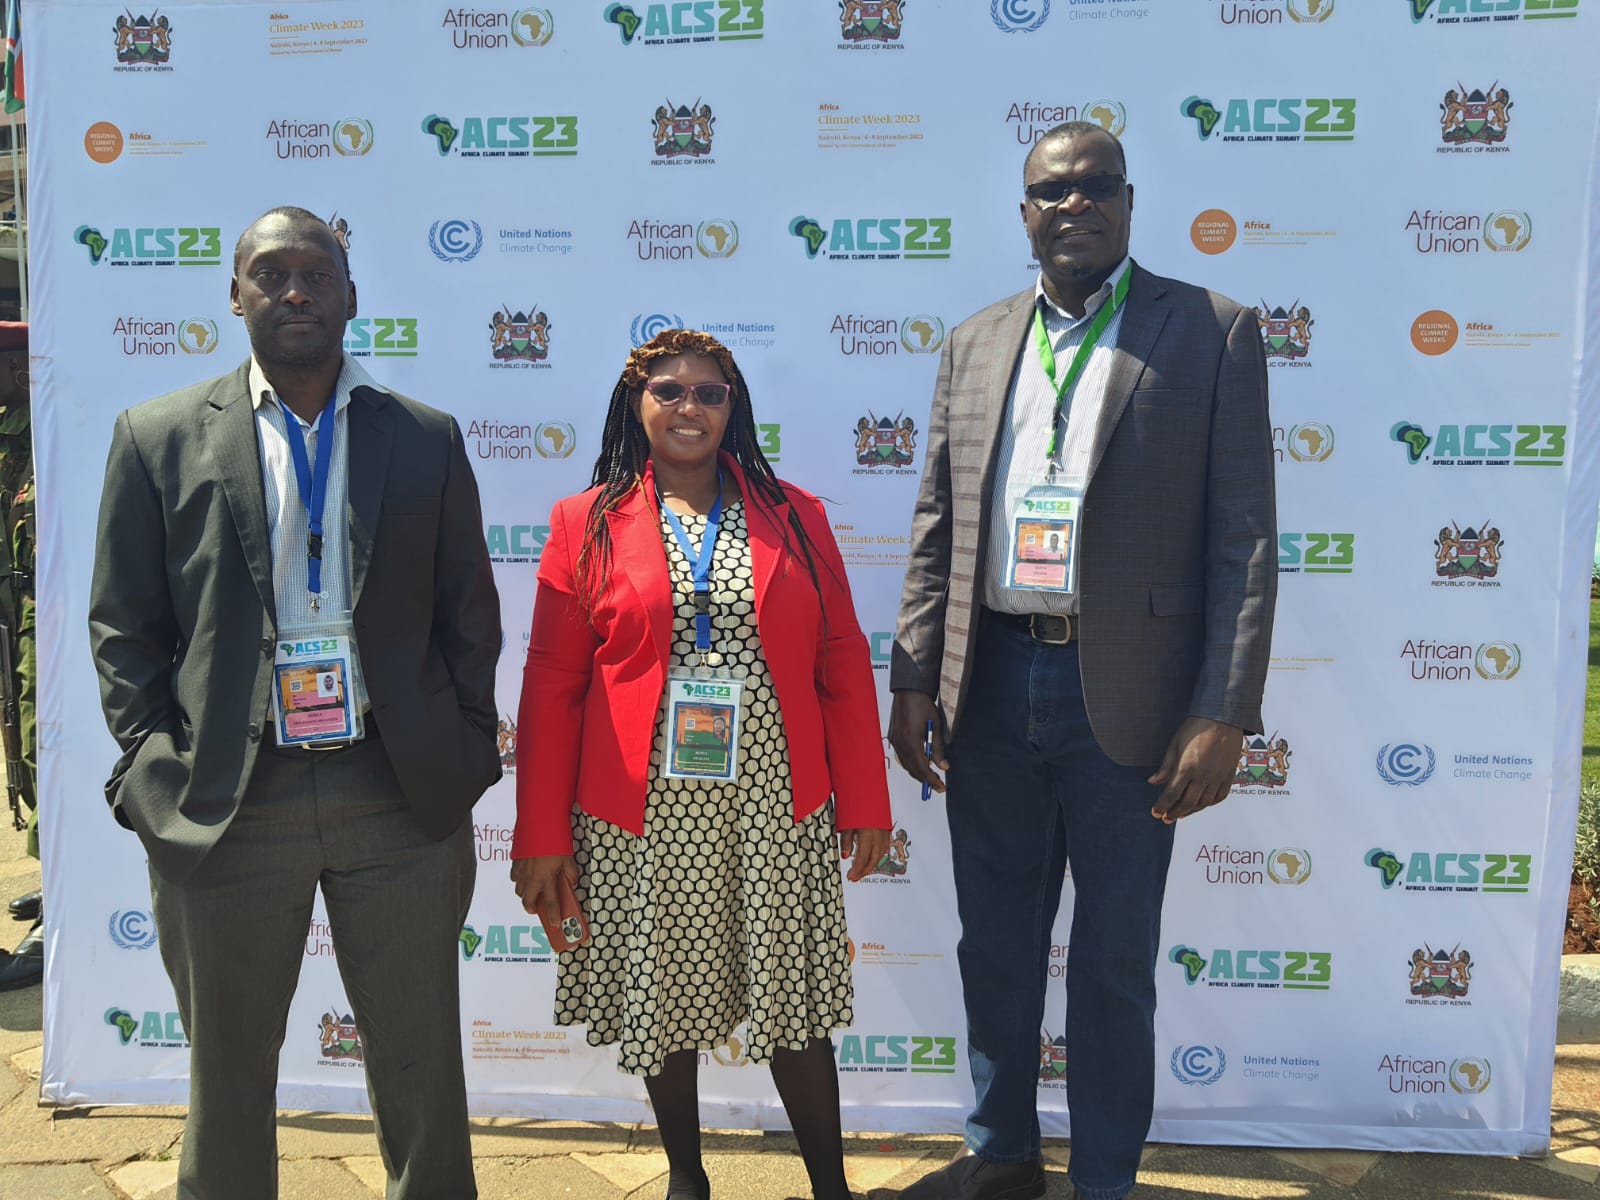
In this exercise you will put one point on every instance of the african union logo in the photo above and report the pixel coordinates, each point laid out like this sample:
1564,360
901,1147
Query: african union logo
1285,333
455,240
1498,660
1507,230
1405,764
1440,974
647,325
1263,763
735,1050
197,335
1310,12
352,137
532,26
515,336
1289,865
1110,115
143,42
133,929
922,333
885,442
1198,1065
1310,442
684,131
1466,553
555,439
1476,116
870,20
1019,16
1469,1076
716,238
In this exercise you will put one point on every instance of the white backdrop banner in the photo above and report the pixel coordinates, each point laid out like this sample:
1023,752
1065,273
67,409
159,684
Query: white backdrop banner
1359,947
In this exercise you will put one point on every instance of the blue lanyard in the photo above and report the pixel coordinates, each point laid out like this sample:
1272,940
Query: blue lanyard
699,564
313,487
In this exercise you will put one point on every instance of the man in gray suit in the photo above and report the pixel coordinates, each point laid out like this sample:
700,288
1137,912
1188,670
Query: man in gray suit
1081,703
253,774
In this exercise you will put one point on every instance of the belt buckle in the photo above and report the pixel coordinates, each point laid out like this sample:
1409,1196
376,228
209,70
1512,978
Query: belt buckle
325,747
1042,627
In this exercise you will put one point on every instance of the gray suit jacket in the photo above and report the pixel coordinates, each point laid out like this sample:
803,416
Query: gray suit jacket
1178,567
182,622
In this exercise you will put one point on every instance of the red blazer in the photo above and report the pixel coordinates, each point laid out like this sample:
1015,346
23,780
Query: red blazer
591,695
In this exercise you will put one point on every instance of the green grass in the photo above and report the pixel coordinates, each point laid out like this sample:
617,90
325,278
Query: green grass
1587,857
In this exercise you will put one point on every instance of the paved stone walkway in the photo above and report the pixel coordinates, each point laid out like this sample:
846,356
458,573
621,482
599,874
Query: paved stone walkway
131,1153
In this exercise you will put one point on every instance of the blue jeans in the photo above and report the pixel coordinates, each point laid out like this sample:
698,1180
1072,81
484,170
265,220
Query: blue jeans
1030,791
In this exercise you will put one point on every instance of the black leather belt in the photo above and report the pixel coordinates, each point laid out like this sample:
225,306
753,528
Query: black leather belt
1053,629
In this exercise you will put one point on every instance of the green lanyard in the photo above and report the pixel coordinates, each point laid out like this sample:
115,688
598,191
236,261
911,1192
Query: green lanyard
1047,355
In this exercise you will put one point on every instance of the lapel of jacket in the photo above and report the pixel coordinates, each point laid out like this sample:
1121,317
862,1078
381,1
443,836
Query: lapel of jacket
370,425
1144,312
639,560
229,429
1007,341
767,525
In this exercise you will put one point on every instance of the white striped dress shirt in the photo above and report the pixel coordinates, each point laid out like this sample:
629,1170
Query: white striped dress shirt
1025,433
287,519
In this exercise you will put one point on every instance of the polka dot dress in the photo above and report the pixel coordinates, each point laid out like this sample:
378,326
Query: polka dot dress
726,911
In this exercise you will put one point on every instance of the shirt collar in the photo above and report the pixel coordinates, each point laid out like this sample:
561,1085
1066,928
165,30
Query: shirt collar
1054,311
351,376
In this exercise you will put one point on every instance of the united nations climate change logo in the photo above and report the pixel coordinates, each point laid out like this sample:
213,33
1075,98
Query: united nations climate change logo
1406,764
1019,16
455,240
1198,1065
133,929
1477,116
647,325
143,41
716,238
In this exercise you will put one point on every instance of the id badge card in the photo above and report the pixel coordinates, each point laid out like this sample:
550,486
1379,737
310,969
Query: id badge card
312,698
1043,554
704,709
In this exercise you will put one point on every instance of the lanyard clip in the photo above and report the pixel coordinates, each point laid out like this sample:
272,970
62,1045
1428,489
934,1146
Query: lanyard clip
702,601
314,545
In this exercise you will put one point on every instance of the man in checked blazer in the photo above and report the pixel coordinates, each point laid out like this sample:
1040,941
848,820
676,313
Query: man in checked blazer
1076,726
203,573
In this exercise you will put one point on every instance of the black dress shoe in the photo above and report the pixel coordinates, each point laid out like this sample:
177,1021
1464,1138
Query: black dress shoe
24,966
974,1178
27,906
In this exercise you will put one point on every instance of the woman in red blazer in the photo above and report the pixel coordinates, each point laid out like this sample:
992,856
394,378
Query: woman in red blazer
680,768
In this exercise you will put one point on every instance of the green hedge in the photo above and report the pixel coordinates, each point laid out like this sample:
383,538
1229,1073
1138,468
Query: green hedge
1586,860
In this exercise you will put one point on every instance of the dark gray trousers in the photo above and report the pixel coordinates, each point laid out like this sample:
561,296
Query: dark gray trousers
233,938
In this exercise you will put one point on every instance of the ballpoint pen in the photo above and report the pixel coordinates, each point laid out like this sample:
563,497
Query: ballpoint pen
927,753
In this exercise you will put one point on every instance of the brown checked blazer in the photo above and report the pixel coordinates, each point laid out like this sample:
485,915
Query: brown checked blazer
182,624
1178,564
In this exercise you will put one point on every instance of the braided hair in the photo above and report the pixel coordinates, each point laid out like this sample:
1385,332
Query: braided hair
624,450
